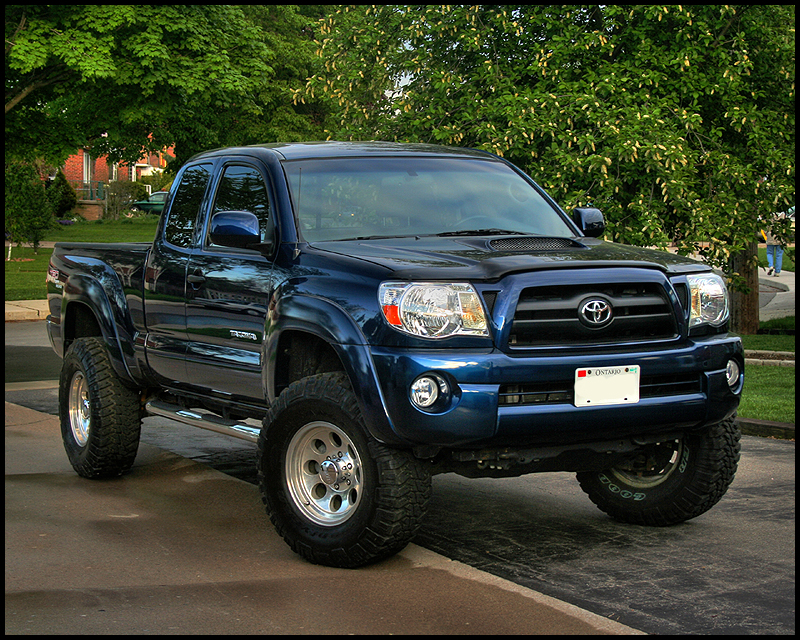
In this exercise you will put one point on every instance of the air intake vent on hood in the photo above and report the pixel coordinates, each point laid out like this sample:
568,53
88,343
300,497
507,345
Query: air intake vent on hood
534,243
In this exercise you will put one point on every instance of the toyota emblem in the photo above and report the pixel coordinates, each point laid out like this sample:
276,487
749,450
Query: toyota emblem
595,313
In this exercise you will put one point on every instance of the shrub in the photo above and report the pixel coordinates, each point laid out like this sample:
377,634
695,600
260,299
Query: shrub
121,195
61,195
28,211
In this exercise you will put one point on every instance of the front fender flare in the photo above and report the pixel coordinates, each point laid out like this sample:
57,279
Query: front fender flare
329,322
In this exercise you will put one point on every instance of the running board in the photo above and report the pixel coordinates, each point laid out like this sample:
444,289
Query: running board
207,421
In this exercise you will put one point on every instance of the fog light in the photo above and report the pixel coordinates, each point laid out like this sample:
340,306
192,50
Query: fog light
427,389
733,372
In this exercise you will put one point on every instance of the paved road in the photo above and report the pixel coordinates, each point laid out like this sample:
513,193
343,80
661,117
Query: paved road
175,547
728,571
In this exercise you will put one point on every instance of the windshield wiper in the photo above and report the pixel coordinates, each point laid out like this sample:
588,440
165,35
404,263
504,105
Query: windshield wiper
373,237
482,232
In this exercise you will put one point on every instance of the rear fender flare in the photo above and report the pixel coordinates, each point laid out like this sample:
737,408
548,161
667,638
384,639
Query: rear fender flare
114,322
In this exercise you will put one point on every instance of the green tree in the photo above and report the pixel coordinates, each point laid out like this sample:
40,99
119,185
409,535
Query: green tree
61,195
28,211
120,79
290,32
676,121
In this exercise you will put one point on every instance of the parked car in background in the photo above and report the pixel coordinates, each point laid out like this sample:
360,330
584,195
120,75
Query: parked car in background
154,204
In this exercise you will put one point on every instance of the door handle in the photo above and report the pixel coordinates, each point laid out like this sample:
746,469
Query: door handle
196,278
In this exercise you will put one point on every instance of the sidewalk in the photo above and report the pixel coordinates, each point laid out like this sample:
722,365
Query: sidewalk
781,304
175,547
24,310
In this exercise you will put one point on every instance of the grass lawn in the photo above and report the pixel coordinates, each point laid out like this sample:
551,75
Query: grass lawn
138,229
768,394
25,274
26,271
768,343
769,390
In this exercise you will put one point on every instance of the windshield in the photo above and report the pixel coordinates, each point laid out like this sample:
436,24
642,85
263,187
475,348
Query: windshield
346,198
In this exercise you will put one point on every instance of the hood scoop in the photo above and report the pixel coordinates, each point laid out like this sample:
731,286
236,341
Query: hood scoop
534,243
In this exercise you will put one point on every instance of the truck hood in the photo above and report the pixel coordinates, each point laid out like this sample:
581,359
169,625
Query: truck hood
492,257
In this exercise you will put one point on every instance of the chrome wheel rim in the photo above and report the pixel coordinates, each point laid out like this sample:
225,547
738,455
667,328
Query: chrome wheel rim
653,466
324,473
79,410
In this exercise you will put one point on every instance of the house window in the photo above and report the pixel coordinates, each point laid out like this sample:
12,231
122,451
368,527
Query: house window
88,167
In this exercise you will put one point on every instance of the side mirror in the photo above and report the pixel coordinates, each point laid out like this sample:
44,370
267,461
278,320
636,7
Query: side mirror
238,229
590,221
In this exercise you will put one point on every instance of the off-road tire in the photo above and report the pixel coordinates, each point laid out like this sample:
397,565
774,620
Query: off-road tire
336,495
683,479
100,414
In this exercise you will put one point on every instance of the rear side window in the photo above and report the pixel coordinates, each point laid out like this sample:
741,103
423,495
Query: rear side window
186,204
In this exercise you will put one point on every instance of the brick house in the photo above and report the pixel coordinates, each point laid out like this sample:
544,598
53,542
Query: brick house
89,175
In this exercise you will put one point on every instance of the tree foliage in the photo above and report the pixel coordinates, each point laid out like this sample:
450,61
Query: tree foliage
676,121
28,213
120,79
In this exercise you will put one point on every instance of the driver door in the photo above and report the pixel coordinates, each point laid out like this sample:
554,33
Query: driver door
227,295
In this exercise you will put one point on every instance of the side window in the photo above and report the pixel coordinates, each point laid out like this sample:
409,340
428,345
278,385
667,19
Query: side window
242,188
188,198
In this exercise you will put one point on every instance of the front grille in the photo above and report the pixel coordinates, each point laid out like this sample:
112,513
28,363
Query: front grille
549,316
561,392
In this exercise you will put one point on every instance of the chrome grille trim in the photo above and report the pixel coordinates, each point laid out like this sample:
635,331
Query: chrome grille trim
548,316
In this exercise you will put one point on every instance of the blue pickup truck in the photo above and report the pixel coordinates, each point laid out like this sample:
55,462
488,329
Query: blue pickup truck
371,314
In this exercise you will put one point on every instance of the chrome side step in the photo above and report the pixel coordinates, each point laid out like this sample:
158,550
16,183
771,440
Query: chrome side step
208,421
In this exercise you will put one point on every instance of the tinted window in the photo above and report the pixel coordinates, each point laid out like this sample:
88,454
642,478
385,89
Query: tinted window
186,204
242,188
340,198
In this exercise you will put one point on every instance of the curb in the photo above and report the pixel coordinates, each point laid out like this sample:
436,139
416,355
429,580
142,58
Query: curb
22,311
766,428
769,358
769,363
772,282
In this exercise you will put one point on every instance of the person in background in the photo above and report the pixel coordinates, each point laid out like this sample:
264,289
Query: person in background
775,250
774,255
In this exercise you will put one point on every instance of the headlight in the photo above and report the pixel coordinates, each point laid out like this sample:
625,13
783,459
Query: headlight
709,300
433,310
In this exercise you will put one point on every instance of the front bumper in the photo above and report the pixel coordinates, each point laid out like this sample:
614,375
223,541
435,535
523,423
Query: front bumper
476,415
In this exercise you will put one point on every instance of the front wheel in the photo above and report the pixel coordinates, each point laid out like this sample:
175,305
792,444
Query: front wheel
336,496
668,482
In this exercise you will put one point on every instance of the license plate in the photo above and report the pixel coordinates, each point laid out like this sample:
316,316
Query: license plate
598,386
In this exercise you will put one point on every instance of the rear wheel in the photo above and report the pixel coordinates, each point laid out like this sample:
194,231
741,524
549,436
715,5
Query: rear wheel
99,413
335,495
668,482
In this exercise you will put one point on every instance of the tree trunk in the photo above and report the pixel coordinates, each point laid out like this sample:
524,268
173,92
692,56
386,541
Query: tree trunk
744,304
